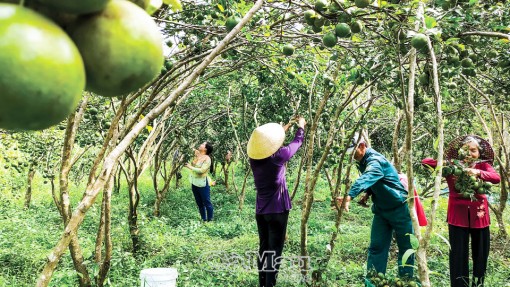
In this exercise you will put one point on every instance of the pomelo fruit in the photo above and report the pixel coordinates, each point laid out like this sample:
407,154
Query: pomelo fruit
232,22
43,74
419,42
309,17
334,7
316,29
320,5
356,27
329,40
288,50
342,30
319,21
362,3
344,17
492,54
424,79
467,63
76,7
169,64
121,46
141,3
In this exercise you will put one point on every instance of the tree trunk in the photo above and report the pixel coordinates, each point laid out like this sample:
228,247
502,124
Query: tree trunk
396,155
28,193
98,256
499,210
310,182
104,267
134,231
501,130
298,177
243,189
421,256
97,183
161,194
332,133
409,114
226,173
117,181
65,167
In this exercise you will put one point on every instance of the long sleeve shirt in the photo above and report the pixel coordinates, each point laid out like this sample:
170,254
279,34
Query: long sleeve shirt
199,172
269,176
462,211
380,177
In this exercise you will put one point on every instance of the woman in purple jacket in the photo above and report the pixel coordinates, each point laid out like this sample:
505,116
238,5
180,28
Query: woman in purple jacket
267,161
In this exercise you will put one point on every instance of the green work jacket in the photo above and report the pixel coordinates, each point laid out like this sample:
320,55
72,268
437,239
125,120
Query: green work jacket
380,177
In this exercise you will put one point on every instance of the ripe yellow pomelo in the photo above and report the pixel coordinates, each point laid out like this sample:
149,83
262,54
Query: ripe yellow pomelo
76,7
43,74
121,46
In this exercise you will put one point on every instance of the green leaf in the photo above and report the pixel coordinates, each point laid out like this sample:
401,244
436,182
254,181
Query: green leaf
452,40
415,243
221,8
444,239
436,144
249,37
356,39
430,22
301,80
406,255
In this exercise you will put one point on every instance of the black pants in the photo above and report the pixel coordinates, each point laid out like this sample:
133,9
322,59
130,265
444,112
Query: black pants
459,255
272,228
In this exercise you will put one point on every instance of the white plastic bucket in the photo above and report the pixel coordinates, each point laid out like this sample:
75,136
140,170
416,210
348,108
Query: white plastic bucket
158,277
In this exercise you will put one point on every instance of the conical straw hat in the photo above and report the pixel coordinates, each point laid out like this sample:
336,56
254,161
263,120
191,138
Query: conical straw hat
265,140
486,152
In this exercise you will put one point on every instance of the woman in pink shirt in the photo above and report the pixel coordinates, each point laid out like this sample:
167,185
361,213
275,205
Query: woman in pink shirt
468,217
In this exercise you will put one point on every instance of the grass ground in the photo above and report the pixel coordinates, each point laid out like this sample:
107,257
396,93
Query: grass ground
178,239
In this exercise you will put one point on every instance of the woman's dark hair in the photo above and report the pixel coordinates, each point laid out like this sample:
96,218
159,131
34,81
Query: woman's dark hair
208,151
209,148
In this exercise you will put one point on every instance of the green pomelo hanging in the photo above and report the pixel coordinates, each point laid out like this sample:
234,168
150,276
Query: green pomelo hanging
467,63
232,22
329,40
419,42
424,79
288,50
122,48
43,73
320,5
76,6
309,17
362,3
342,30
356,27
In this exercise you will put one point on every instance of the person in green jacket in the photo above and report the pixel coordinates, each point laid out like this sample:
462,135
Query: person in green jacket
391,213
